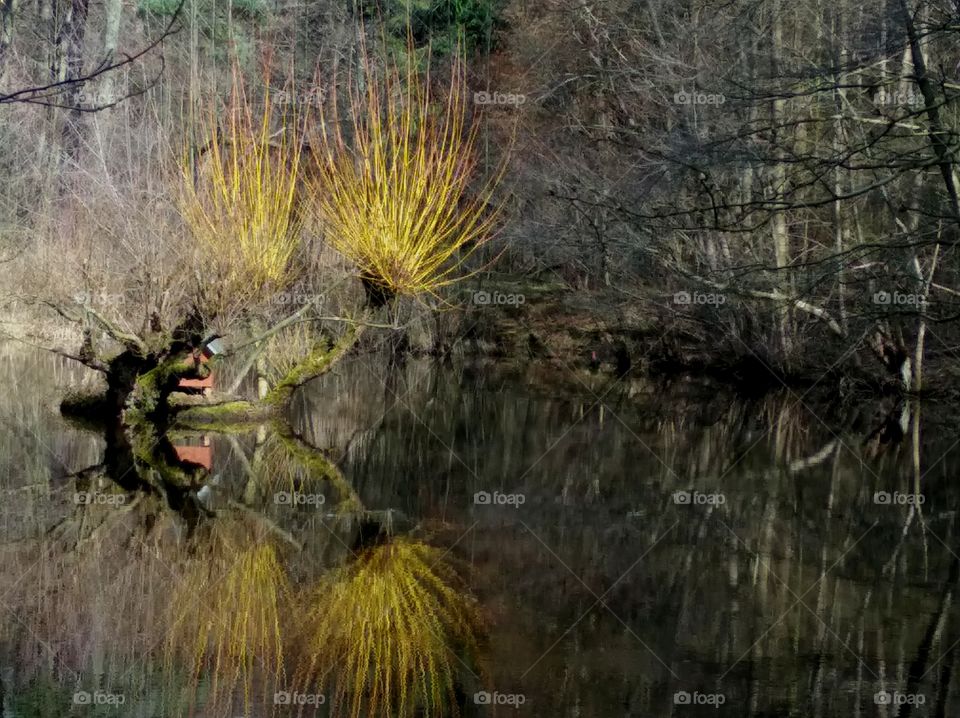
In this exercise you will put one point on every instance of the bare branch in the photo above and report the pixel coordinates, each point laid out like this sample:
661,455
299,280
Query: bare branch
37,94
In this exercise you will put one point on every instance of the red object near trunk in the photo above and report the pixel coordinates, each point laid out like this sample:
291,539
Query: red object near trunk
204,385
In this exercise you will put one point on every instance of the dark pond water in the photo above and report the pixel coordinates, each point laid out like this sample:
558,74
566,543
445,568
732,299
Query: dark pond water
438,541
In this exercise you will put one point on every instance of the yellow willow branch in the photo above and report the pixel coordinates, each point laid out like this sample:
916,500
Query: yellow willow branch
395,200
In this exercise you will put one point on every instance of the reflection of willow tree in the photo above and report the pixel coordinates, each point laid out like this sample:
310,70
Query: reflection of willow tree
288,452
92,591
226,615
211,568
393,201
390,633
146,465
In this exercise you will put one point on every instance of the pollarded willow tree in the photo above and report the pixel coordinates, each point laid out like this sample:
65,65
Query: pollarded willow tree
239,201
391,188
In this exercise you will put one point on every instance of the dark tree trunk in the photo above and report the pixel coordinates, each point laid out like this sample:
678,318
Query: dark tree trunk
378,295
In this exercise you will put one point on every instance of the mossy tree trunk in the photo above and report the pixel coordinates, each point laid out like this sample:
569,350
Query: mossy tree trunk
142,377
145,372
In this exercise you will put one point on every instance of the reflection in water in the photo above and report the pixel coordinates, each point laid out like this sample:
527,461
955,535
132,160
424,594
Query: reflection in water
196,587
392,633
376,632
199,453
813,568
226,615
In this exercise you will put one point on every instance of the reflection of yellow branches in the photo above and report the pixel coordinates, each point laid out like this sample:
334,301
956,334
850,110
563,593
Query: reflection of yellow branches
387,633
242,208
228,622
393,198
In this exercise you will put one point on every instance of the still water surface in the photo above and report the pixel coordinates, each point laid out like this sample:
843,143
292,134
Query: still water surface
440,541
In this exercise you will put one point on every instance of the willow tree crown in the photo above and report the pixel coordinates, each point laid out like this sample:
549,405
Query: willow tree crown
392,182
241,198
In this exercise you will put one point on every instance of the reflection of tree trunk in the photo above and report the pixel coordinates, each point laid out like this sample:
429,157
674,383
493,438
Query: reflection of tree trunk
822,588
761,581
320,466
143,462
932,637
943,685
733,608
857,709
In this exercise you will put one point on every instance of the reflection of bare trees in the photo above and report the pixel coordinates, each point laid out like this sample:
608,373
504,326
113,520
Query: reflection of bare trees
346,409
800,578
